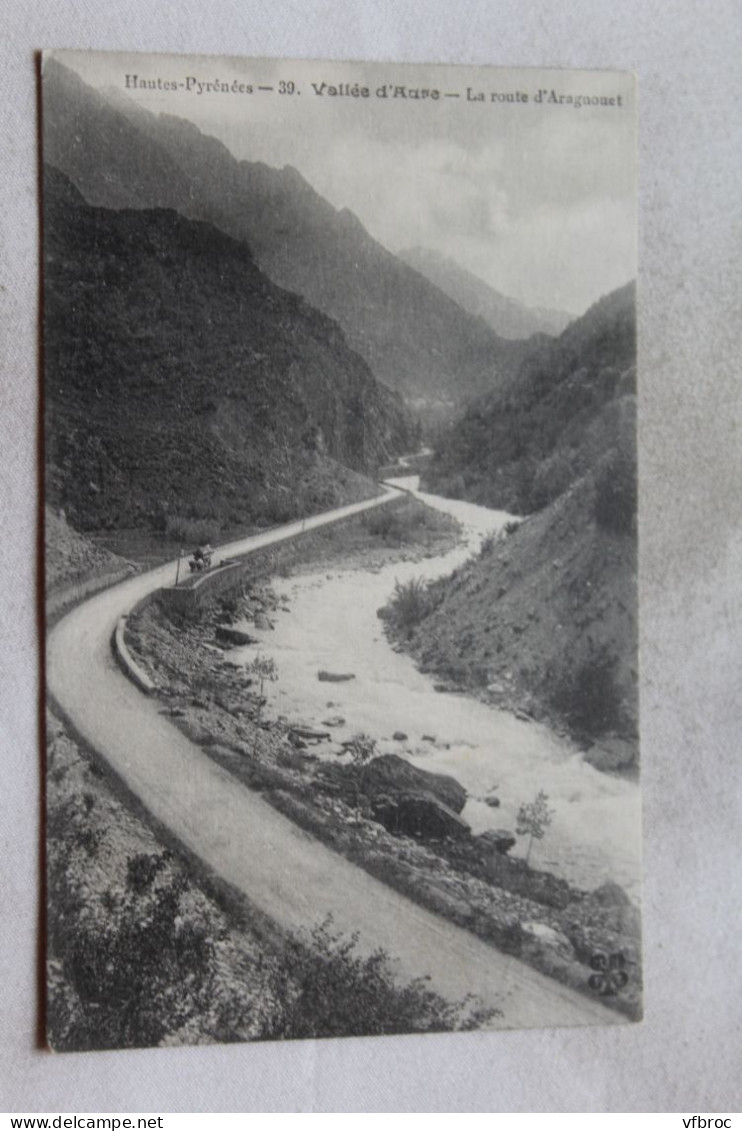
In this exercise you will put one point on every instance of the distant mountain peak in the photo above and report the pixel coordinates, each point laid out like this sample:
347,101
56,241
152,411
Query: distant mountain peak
415,338
506,316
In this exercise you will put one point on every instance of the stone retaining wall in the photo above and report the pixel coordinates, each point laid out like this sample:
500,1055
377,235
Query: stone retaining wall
126,661
202,590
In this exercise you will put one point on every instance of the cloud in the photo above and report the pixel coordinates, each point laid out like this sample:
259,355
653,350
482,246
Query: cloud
537,200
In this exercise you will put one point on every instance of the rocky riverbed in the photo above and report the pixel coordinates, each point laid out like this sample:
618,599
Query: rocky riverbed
406,822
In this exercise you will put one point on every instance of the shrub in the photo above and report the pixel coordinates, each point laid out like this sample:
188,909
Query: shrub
377,522
453,667
138,967
281,508
552,478
421,516
589,699
488,545
408,522
454,487
324,987
384,523
410,604
362,749
191,531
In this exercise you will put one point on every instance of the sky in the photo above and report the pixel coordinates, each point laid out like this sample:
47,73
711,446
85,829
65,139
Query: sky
538,199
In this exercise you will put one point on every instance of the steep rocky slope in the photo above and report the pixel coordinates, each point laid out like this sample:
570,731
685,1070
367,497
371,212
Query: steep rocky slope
571,404
506,316
414,337
180,381
546,621
70,557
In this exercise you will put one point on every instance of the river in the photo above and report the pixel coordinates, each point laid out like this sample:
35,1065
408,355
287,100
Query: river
332,624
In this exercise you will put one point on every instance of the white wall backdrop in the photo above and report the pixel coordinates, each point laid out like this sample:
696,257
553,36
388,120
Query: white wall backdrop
683,1056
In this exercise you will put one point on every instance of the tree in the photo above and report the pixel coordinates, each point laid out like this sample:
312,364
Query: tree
534,819
362,749
266,671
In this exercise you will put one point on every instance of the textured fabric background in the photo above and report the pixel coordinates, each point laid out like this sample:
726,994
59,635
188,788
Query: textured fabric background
683,1056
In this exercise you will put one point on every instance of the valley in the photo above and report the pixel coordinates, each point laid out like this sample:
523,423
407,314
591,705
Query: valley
392,728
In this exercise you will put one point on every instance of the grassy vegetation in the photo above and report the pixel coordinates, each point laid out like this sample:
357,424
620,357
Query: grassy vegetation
589,697
409,523
140,954
409,605
335,989
394,529
191,531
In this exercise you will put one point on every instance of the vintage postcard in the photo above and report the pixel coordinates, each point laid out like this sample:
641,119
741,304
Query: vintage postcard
340,450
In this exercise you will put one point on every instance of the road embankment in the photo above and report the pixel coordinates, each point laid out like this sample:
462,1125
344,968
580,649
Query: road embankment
288,875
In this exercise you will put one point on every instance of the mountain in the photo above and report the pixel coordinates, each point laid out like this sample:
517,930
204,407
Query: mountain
180,381
545,619
508,318
414,337
572,402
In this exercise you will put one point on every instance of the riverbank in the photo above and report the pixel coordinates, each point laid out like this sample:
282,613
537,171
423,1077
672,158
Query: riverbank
305,769
541,622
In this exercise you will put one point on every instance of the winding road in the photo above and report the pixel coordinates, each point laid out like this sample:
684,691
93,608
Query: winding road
284,872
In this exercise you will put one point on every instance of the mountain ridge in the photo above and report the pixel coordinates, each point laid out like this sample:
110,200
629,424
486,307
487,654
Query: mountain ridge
180,380
507,317
414,337
544,620
519,448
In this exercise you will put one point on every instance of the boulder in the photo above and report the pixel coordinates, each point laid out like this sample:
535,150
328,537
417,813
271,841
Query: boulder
399,736
610,894
496,840
493,801
334,677
419,815
262,622
304,731
611,754
334,721
541,938
390,774
610,906
235,636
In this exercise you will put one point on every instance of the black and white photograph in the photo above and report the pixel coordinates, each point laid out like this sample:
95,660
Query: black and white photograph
340,496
